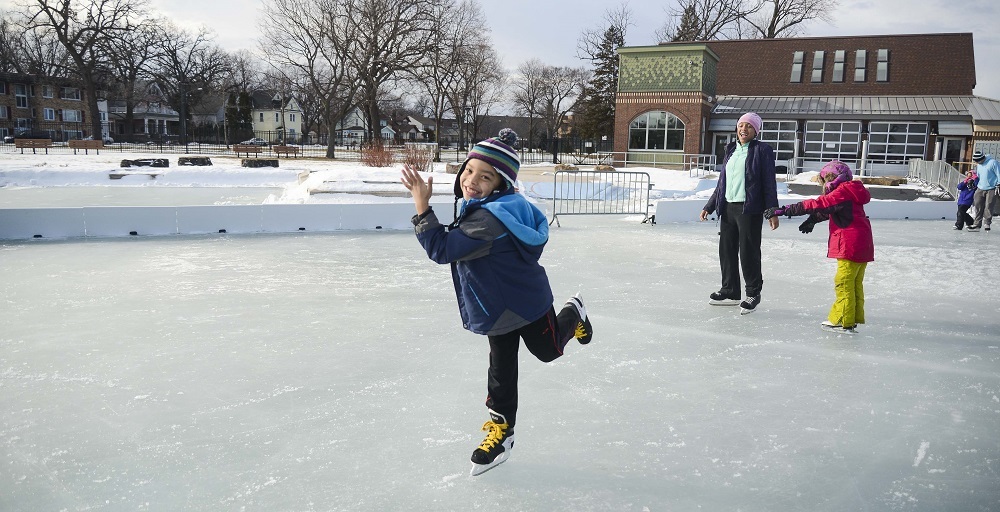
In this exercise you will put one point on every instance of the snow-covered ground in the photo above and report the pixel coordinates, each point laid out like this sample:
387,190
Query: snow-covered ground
295,181
330,372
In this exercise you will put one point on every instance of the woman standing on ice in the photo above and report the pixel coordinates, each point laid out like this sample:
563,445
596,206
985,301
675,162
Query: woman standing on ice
842,202
493,247
745,189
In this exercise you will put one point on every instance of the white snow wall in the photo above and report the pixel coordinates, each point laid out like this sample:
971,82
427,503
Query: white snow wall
123,221
686,210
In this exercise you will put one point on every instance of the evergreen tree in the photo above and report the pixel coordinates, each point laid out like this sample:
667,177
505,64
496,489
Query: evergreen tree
596,114
690,28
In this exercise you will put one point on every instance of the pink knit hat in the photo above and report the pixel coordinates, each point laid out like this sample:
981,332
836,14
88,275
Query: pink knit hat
753,120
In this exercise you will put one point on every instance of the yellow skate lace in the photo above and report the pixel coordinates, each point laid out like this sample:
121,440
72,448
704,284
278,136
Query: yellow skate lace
494,435
581,330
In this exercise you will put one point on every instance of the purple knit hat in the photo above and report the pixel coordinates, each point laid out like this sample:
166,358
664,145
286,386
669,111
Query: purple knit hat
497,151
833,174
753,119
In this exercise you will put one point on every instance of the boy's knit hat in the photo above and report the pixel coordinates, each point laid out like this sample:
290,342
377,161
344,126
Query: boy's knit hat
833,174
978,155
497,151
753,119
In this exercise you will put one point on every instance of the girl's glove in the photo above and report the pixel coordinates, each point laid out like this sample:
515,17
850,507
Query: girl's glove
807,225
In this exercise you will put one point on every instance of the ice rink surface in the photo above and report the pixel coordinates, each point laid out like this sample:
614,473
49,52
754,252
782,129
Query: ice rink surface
330,372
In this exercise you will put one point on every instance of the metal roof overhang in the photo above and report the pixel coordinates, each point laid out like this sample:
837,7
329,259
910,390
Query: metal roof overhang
924,107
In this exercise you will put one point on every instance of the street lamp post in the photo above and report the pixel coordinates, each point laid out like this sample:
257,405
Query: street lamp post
461,128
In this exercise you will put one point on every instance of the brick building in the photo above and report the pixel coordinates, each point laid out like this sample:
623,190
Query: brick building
43,104
876,101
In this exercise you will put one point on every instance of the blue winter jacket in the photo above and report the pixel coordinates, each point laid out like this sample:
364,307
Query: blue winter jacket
761,185
989,173
493,249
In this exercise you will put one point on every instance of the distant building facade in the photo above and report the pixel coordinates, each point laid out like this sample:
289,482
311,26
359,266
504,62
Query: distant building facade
875,101
31,103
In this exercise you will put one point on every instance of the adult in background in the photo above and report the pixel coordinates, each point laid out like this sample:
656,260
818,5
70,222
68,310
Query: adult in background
745,189
986,194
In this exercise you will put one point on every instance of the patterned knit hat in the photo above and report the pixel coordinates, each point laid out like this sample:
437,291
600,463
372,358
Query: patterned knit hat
833,174
978,156
498,152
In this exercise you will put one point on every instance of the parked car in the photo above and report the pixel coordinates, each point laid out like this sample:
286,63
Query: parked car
107,140
255,142
28,134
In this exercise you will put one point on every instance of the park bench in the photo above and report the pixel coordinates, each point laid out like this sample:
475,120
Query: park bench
86,146
34,144
287,150
246,148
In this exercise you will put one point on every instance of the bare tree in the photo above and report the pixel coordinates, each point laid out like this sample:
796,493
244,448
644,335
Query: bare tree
480,88
591,44
311,51
561,86
457,32
784,18
40,53
704,20
129,59
527,88
187,67
82,27
392,38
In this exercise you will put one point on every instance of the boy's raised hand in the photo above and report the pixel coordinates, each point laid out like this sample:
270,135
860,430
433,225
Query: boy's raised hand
420,189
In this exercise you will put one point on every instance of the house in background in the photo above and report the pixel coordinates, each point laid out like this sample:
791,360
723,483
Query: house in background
353,128
873,101
276,118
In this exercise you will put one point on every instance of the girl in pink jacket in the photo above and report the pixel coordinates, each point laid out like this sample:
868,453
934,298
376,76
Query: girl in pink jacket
842,203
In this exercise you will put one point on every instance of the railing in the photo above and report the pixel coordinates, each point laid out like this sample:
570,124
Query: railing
600,193
699,165
938,173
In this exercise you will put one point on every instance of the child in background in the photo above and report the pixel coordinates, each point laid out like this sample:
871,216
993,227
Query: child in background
493,247
842,203
966,191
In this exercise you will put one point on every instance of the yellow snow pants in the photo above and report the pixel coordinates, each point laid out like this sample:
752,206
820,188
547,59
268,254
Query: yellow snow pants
849,306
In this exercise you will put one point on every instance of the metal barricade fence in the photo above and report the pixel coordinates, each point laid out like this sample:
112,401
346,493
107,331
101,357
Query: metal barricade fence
938,173
600,193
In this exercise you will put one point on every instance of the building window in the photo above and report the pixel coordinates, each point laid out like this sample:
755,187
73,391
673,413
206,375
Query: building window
838,65
817,69
860,65
262,117
291,118
276,117
3,88
4,111
49,114
21,95
47,91
826,140
656,130
882,72
72,116
896,143
797,59
70,93
780,135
